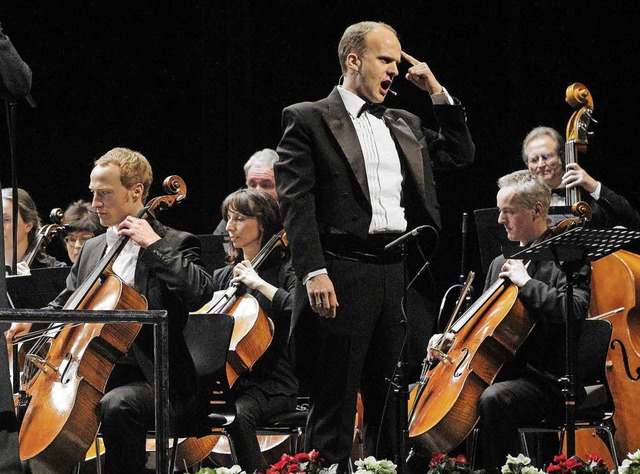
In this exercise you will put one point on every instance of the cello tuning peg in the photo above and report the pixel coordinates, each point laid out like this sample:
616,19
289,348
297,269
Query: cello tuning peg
594,120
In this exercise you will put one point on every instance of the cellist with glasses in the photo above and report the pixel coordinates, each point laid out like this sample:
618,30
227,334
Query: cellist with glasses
527,387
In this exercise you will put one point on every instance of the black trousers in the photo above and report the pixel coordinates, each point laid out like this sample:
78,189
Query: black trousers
127,413
504,407
357,350
252,410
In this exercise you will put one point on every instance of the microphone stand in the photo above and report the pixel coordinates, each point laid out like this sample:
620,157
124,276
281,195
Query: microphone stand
463,261
399,384
10,107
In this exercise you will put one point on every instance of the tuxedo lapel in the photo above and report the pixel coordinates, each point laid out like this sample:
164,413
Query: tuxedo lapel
337,119
410,148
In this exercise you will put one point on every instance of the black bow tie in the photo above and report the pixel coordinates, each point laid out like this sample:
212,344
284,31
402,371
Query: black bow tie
373,109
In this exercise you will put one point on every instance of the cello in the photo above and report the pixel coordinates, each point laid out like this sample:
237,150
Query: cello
61,418
252,329
252,334
44,236
445,406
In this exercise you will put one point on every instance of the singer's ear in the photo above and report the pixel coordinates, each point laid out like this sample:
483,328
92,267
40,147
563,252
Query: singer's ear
353,62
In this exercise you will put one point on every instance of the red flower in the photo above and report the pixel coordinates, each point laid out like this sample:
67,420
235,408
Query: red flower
560,458
281,464
436,458
595,458
573,464
462,459
292,468
302,457
552,468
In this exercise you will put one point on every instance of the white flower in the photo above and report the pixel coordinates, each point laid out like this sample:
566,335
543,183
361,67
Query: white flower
370,465
520,464
633,459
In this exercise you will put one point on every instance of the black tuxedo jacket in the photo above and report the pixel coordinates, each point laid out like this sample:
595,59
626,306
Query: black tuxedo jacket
544,296
169,274
321,176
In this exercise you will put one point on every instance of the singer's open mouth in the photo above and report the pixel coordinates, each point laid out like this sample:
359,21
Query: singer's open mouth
385,85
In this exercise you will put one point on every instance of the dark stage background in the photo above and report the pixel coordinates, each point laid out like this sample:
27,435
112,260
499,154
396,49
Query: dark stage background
198,86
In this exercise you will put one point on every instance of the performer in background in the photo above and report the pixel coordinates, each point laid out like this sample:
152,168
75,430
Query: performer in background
527,388
543,154
28,225
270,387
351,178
162,264
81,223
258,174
15,83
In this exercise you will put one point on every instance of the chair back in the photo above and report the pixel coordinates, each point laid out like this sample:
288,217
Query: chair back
593,347
208,337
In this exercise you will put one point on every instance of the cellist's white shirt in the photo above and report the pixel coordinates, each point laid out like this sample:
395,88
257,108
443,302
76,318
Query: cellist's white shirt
125,264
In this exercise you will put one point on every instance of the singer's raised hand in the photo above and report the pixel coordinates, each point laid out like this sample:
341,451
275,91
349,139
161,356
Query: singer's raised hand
420,74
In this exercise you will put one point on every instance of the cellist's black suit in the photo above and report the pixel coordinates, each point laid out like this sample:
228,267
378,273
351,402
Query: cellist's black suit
326,209
527,388
169,274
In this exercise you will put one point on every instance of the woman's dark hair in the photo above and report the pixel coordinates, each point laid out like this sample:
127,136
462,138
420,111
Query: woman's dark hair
253,203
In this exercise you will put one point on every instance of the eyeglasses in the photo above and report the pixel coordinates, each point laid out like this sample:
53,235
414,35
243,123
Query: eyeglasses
72,240
532,160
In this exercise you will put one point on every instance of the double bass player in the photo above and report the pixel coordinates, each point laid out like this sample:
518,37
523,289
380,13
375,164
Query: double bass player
526,389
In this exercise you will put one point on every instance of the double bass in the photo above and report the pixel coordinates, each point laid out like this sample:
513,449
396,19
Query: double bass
61,418
615,283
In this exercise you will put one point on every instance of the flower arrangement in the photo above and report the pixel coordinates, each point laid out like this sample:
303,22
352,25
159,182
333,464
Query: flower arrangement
235,469
302,463
631,465
574,465
441,463
370,465
519,465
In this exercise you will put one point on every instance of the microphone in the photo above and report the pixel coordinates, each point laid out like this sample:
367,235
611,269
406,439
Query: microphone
413,233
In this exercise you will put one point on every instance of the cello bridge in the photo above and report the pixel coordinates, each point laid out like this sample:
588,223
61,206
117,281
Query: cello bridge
40,363
442,356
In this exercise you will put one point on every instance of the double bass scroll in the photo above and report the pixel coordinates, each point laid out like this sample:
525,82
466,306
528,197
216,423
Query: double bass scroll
577,95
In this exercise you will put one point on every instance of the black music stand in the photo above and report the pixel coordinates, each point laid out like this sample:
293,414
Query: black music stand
571,250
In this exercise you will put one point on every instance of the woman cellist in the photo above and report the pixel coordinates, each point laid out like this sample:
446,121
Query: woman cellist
526,388
270,387
27,231
163,265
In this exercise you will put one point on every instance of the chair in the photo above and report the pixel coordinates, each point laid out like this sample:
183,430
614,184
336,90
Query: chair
208,337
291,423
596,410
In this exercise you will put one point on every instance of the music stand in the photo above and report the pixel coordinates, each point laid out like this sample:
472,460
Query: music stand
571,250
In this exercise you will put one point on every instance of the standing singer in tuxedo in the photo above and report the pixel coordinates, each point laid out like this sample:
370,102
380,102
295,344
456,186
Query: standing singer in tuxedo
351,178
